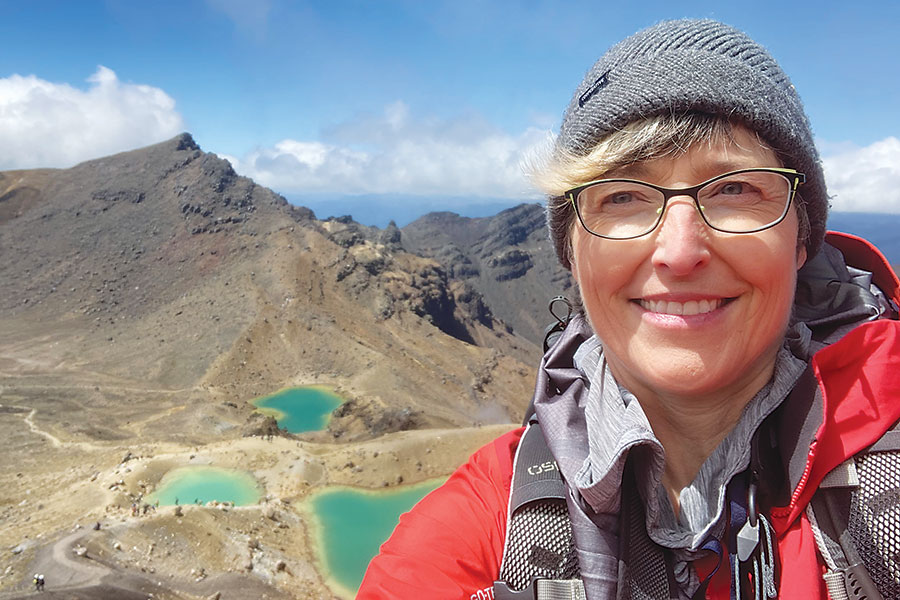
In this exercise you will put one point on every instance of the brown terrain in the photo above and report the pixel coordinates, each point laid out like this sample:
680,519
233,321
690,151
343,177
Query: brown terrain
147,297
507,258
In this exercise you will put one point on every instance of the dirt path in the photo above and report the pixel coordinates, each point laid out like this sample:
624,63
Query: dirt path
101,592
54,441
29,420
62,569
94,385
69,570
72,577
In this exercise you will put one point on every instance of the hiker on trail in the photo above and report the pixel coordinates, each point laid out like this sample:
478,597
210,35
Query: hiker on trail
37,582
711,421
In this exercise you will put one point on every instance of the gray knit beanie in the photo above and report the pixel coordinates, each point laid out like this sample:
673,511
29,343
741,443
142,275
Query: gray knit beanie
698,66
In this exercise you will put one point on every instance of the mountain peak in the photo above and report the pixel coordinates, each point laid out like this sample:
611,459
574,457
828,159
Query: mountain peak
184,141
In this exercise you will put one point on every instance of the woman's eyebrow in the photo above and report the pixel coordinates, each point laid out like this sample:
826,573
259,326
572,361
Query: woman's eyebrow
641,170
636,170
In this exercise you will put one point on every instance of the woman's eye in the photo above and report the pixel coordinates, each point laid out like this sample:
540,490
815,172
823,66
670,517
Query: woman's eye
620,198
732,187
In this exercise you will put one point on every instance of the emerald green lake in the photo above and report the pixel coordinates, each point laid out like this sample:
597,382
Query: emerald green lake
189,485
353,524
300,409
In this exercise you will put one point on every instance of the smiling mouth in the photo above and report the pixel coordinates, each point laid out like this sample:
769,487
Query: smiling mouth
689,308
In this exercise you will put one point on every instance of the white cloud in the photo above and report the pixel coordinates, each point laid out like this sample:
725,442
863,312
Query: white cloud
45,124
396,153
865,179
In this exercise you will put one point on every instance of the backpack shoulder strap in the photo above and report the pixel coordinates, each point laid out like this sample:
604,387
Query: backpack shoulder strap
539,559
854,515
645,569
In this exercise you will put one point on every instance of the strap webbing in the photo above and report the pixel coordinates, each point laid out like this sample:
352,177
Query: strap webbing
645,570
554,589
539,557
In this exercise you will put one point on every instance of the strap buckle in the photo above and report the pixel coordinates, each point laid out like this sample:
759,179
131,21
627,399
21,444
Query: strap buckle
542,589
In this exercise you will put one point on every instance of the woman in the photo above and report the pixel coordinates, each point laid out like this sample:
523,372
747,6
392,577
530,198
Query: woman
728,356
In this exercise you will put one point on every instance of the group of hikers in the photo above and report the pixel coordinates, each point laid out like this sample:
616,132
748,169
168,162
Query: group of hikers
138,509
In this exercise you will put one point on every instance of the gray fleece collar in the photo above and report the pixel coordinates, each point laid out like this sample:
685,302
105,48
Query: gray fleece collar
616,424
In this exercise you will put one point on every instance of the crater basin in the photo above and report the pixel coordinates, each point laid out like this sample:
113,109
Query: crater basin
300,409
202,484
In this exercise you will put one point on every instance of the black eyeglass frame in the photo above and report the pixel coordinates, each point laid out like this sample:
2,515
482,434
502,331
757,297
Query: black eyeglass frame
795,178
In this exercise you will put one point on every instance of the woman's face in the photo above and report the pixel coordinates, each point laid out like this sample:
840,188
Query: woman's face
687,311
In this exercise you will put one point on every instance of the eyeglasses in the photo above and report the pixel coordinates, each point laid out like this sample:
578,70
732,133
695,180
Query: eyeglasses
744,201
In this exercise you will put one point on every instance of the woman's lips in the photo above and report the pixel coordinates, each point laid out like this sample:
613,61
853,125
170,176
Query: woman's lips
687,308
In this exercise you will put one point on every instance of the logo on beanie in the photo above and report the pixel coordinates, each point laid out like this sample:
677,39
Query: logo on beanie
598,85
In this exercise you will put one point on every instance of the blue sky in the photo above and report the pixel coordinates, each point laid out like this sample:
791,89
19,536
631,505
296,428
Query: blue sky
402,104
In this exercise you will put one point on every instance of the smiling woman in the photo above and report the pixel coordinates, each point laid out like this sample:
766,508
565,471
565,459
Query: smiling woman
639,293
709,379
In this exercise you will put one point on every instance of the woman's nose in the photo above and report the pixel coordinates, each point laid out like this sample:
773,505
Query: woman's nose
682,239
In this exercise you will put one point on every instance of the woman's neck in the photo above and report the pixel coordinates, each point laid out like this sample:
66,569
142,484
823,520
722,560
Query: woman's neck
691,427
689,434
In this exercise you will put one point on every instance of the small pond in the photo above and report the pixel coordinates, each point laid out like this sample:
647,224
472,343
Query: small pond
300,409
201,484
353,523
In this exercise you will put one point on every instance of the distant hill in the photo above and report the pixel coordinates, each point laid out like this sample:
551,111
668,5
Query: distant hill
379,210
507,258
881,229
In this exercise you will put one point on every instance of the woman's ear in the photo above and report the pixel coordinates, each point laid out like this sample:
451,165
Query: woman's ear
570,255
801,256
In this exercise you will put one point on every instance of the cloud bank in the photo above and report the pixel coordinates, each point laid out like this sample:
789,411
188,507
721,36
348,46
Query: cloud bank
865,179
395,153
45,124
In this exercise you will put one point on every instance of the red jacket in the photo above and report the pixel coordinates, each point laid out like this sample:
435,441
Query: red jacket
451,544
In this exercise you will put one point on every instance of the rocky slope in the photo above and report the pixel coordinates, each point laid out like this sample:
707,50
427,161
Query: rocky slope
507,258
163,266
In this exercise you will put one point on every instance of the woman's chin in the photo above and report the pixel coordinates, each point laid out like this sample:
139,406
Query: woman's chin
680,373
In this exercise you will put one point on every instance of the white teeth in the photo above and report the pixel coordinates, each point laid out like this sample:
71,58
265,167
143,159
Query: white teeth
691,307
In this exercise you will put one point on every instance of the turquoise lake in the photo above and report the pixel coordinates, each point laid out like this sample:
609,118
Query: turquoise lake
353,524
300,409
190,485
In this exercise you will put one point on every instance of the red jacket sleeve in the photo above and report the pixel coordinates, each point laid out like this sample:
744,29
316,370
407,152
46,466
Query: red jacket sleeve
451,543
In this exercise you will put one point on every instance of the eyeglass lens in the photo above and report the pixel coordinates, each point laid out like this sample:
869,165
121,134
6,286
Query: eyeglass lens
736,203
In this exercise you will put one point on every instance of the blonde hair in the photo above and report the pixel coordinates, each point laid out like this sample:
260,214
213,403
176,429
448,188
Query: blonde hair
662,136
